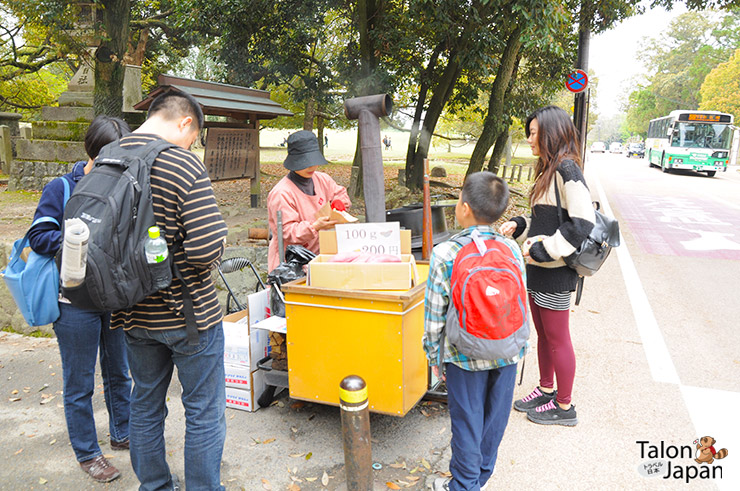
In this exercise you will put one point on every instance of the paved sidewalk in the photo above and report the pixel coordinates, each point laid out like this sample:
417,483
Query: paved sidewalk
618,405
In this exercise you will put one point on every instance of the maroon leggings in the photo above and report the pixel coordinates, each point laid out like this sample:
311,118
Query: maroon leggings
554,350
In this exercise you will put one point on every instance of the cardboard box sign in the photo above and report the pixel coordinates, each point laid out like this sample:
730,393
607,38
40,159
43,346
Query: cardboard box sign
246,399
361,276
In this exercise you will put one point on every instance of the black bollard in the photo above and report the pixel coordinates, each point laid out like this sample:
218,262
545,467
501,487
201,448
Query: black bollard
356,434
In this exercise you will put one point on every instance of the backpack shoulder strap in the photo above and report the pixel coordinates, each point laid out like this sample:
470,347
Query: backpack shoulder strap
111,153
191,325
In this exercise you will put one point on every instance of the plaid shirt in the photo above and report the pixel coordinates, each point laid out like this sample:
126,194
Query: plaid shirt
437,300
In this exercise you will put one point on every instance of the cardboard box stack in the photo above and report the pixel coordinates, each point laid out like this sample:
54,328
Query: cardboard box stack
243,349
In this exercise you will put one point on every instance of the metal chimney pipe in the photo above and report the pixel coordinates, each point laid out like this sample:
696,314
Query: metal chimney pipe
367,110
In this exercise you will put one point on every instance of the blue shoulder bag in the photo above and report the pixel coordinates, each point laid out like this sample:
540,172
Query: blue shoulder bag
34,282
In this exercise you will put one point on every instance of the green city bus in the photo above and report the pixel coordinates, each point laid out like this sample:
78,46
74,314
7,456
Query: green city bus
693,140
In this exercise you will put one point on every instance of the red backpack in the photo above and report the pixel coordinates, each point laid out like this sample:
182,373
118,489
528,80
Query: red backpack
487,318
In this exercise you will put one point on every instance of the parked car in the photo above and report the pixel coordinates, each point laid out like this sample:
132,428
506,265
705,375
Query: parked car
615,147
637,149
598,147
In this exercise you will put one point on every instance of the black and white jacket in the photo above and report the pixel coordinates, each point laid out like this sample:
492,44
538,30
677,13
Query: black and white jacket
547,272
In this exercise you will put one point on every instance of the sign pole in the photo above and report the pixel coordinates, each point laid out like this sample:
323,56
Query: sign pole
580,107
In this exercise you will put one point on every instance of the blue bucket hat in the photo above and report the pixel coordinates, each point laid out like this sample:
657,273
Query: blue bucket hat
303,151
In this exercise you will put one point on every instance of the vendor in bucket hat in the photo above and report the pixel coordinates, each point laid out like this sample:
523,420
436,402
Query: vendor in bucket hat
303,151
300,194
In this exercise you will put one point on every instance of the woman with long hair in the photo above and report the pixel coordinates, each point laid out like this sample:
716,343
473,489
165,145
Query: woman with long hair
545,242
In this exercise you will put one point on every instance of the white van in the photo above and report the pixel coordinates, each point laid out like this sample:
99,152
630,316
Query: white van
598,147
615,147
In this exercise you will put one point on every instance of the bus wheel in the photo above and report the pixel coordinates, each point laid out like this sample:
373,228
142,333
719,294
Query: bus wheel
650,159
711,173
662,165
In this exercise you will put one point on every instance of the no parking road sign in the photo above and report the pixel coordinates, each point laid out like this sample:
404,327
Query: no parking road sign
577,81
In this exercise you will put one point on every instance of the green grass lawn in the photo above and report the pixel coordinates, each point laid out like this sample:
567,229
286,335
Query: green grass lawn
342,146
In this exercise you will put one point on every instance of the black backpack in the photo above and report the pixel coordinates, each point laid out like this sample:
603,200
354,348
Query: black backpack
115,202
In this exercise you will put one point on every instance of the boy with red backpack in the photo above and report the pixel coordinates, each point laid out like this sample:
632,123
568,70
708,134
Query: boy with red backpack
476,326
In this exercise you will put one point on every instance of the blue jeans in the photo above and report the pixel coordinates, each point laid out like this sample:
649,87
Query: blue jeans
200,368
479,404
79,334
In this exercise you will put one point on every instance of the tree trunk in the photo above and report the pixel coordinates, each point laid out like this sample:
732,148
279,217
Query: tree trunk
108,93
495,119
498,150
443,92
320,132
425,77
309,115
136,54
368,11
355,180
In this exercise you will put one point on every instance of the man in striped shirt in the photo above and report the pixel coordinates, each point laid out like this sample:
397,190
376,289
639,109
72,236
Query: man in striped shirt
186,212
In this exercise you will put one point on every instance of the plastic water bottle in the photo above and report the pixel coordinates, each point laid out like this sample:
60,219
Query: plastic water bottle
156,252
155,247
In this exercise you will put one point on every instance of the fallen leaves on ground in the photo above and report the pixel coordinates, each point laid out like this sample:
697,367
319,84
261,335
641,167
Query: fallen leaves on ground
325,479
392,485
426,464
266,484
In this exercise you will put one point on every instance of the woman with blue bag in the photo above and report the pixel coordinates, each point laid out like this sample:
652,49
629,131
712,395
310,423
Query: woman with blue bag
81,334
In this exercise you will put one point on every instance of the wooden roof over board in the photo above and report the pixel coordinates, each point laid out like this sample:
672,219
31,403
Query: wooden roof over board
216,99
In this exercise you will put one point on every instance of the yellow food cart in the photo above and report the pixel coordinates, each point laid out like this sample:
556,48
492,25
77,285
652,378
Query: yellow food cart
333,333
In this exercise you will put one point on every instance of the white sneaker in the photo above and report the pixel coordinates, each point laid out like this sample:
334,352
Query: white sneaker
442,484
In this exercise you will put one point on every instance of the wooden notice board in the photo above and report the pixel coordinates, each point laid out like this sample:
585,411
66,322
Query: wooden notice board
231,153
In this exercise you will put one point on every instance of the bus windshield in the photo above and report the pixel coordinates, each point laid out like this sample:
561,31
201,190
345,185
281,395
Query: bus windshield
698,135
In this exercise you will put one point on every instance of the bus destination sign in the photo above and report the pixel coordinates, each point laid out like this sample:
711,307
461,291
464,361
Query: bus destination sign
705,118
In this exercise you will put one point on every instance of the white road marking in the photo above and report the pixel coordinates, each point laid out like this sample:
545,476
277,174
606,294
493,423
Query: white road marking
656,351
710,241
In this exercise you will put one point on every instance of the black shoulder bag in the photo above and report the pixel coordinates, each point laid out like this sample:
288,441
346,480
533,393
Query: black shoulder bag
593,251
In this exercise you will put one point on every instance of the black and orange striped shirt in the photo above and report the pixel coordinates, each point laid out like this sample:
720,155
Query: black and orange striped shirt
186,210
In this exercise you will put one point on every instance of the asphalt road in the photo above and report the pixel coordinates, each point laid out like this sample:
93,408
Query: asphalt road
657,357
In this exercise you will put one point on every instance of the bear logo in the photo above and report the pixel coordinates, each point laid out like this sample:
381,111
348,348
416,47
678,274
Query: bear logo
705,452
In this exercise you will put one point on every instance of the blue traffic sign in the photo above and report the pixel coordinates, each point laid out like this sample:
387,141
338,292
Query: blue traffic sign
577,81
